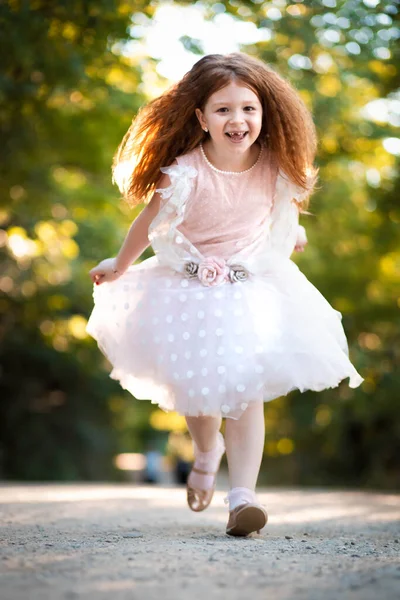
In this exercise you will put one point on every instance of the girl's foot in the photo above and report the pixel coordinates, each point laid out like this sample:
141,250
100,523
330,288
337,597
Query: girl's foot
201,480
246,515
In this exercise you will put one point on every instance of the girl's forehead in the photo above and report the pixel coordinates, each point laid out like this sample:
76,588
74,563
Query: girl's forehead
232,92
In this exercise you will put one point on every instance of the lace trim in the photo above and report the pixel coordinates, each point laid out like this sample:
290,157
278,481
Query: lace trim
168,243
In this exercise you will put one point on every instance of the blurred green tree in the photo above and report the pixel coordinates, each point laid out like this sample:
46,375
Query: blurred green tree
68,93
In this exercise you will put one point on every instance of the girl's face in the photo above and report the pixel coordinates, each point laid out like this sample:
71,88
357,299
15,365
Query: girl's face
233,117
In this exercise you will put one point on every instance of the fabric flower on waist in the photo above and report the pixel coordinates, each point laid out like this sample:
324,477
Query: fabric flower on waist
213,271
237,273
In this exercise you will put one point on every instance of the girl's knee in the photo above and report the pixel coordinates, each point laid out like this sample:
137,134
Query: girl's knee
252,408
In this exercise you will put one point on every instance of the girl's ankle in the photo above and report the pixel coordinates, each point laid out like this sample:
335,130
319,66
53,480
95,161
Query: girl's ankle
208,464
240,495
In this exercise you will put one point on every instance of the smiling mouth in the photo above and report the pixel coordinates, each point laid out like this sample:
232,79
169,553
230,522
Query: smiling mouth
236,135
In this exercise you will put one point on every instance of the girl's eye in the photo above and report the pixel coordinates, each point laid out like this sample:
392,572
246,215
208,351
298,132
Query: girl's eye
224,109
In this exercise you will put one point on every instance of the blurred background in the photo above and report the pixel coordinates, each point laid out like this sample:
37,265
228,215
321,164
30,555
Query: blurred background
72,76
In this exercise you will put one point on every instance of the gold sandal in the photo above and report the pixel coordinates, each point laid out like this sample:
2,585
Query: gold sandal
246,519
198,499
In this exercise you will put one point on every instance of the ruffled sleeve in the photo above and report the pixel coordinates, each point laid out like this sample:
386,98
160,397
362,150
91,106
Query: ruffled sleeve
168,243
285,215
298,193
181,177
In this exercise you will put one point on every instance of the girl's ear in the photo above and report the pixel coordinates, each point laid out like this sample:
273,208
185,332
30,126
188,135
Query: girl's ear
201,119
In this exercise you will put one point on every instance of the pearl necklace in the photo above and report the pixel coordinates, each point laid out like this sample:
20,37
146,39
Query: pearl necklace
229,172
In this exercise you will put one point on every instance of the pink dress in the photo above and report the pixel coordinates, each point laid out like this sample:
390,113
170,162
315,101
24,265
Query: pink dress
210,347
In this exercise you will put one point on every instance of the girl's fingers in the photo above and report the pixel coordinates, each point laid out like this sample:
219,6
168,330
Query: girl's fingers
97,276
99,279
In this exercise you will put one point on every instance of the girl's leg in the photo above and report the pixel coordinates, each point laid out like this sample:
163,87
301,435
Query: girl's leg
244,440
204,431
208,447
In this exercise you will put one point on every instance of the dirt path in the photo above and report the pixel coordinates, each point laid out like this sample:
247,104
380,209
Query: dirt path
122,541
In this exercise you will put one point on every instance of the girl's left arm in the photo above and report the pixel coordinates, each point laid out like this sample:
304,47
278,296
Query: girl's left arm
136,241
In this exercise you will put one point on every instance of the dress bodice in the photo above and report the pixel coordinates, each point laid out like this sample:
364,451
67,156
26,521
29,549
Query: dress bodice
249,218
226,212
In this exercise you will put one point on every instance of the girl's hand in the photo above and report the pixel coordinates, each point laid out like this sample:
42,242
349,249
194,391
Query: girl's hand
301,241
104,271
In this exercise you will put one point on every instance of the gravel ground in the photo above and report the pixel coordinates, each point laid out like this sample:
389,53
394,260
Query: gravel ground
125,541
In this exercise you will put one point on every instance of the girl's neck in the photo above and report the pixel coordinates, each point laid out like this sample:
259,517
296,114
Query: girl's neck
231,161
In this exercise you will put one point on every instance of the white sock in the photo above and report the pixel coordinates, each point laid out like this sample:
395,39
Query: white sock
207,461
240,495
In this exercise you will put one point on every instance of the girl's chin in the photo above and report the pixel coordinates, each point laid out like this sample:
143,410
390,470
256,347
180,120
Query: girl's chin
224,143
242,146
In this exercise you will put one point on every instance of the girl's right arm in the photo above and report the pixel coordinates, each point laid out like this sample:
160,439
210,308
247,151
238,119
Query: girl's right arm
134,244
301,240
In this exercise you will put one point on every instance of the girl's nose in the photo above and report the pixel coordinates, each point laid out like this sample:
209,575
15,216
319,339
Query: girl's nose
236,118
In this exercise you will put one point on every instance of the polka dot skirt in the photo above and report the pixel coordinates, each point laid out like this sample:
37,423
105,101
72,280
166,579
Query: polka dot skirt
213,350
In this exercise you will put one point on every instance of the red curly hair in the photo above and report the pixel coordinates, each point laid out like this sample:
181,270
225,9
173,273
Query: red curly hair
167,127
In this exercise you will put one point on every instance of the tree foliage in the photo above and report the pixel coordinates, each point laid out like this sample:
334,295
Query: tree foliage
68,95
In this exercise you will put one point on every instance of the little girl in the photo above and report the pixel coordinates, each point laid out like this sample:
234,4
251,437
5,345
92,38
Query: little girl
220,319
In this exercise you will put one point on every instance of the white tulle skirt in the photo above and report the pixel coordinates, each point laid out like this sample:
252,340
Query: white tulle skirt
213,350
